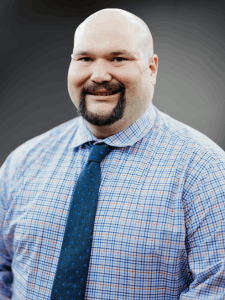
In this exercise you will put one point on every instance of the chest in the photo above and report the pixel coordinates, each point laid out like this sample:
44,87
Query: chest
139,205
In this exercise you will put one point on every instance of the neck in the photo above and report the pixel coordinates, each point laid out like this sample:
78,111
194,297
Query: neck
102,132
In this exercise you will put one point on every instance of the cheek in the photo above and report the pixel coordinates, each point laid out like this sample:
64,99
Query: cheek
132,84
136,89
76,77
132,77
73,83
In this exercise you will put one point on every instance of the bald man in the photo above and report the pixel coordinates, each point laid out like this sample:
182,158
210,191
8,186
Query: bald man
113,51
159,229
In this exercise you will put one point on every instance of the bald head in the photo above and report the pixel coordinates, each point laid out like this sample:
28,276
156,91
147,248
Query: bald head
113,70
118,22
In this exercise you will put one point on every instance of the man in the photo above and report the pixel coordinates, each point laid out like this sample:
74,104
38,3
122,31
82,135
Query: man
159,230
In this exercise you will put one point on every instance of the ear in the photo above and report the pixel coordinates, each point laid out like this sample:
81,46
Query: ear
153,66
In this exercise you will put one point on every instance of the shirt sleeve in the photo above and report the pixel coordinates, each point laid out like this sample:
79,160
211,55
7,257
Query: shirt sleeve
6,277
204,205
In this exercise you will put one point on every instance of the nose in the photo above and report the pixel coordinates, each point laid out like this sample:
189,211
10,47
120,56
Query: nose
100,71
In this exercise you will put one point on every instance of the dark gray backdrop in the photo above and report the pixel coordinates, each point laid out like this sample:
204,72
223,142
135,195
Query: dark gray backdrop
36,44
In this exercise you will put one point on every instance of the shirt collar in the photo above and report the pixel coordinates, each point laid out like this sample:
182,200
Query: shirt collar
126,137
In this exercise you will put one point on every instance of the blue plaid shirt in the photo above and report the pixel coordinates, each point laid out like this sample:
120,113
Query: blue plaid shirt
159,231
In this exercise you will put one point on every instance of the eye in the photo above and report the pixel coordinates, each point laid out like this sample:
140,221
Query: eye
85,59
119,59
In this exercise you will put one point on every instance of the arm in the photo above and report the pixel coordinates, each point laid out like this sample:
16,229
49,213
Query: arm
204,204
5,261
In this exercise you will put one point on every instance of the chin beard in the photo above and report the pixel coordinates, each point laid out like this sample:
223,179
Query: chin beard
103,120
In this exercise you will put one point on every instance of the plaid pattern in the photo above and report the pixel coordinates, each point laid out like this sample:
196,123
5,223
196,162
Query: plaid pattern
160,224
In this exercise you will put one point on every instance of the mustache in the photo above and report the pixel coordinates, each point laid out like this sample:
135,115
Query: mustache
111,87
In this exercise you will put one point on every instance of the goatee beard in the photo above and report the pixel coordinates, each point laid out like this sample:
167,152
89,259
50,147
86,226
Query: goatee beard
103,120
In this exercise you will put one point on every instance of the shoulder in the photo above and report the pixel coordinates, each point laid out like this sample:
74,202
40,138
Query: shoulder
181,138
200,161
194,158
56,139
197,162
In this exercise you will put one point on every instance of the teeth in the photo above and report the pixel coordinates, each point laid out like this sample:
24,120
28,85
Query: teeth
103,93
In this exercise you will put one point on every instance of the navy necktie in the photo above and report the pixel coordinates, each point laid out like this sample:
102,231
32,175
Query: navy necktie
72,270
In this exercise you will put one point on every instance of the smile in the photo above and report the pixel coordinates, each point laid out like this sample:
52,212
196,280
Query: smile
103,96
103,93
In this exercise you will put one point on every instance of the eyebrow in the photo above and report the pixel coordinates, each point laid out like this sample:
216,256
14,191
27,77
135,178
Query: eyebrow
119,52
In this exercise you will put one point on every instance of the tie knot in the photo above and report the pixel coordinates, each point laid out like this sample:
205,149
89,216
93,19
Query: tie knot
98,152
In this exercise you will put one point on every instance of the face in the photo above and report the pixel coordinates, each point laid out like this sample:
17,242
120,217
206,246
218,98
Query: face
109,78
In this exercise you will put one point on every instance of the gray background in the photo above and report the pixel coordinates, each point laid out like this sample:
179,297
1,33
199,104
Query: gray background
36,44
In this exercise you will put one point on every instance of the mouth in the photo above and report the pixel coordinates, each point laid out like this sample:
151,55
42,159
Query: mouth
103,93
103,96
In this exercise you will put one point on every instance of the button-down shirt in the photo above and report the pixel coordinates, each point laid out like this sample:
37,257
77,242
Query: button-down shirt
159,230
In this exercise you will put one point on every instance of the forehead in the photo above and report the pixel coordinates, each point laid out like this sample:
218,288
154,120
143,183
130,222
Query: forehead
106,39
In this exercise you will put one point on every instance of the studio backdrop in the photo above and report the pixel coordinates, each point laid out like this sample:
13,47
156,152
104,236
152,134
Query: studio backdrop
36,46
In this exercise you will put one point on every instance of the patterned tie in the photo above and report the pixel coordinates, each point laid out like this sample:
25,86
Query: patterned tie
72,270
